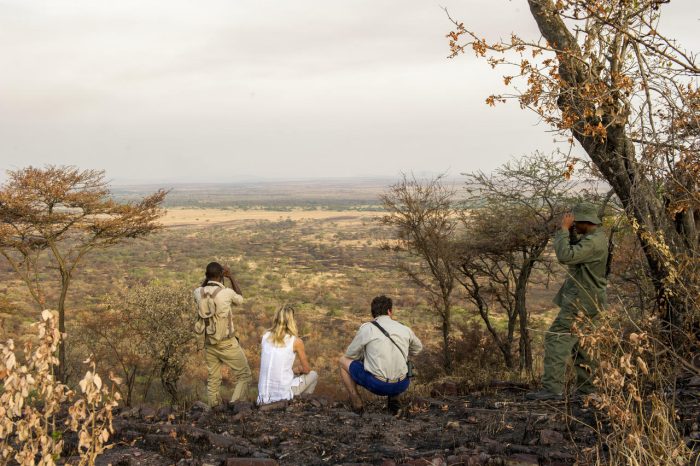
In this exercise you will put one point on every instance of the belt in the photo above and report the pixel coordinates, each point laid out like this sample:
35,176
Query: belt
385,380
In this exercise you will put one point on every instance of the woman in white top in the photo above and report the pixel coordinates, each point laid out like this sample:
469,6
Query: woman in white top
280,347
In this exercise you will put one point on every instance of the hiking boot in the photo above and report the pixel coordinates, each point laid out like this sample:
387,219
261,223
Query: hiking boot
393,405
544,395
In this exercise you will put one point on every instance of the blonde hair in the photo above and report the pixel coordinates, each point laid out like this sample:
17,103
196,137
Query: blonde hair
283,325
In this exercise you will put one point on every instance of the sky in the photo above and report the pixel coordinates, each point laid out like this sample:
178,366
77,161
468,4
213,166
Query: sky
240,90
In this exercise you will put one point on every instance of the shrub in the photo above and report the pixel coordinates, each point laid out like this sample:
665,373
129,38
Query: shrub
32,398
162,316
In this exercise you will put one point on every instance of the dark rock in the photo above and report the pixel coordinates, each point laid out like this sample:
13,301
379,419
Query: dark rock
560,455
129,413
250,462
467,460
199,406
515,448
316,403
522,459
276,406
493,446
128,457
130,435
436,461
445,389
550,437
189,462
237,418
267,440
165,444
238,407
220,408
148,413
164,413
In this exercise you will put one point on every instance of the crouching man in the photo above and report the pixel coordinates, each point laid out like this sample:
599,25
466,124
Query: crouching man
377,358
215,322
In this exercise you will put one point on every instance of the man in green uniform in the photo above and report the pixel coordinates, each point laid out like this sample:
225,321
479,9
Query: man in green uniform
583,294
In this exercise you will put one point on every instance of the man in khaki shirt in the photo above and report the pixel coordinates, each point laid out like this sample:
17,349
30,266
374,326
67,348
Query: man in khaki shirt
221,345
376,362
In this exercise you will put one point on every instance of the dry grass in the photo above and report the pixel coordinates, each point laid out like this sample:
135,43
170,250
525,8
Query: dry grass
204,217
637,426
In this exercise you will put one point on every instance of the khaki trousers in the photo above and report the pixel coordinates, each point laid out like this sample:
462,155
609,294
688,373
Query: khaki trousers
307,384
227,352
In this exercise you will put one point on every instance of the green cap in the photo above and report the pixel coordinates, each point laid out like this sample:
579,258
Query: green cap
586,212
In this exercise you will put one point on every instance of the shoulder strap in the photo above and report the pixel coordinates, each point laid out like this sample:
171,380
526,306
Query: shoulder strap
386,334
212,295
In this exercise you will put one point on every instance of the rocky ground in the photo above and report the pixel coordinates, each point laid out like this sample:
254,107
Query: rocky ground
496,429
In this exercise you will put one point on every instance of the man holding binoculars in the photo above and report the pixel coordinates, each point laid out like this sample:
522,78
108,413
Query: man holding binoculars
215,322
583,295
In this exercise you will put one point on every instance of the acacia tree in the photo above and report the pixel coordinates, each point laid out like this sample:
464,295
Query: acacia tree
605,75
53,217
425,221
514,212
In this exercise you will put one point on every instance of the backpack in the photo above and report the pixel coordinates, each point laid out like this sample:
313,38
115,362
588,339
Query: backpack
208,323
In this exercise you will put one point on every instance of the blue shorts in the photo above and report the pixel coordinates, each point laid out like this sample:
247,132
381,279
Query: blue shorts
373,384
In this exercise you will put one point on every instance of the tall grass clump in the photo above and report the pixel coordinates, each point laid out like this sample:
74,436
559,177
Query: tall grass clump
635,400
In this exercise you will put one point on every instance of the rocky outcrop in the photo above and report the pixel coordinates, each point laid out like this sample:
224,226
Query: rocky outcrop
431,431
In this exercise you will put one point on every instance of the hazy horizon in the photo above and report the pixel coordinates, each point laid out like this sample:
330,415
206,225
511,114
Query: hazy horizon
171,92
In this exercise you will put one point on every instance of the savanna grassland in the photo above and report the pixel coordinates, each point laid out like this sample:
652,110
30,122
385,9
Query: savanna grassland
316,246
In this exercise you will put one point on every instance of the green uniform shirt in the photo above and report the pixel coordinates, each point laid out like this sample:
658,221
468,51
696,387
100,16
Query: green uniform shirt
587,260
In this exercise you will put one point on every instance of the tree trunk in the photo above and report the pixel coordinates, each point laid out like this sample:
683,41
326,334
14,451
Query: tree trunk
130,382
168,382
507,351
525,344
65,282
506,346
512,321
147,385
475,293
446,328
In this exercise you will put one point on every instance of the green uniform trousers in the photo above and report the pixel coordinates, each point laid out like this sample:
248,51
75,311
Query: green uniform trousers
227,352
560,345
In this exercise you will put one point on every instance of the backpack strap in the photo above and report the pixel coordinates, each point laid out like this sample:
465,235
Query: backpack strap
203,294
386,334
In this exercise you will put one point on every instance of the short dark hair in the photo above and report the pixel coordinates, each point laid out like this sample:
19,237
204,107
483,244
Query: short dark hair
381,305
214,272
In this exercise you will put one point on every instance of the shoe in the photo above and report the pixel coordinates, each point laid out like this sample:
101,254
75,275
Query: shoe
393,405
544,395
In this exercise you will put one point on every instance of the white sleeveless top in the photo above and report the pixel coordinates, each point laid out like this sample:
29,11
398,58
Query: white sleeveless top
276,373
